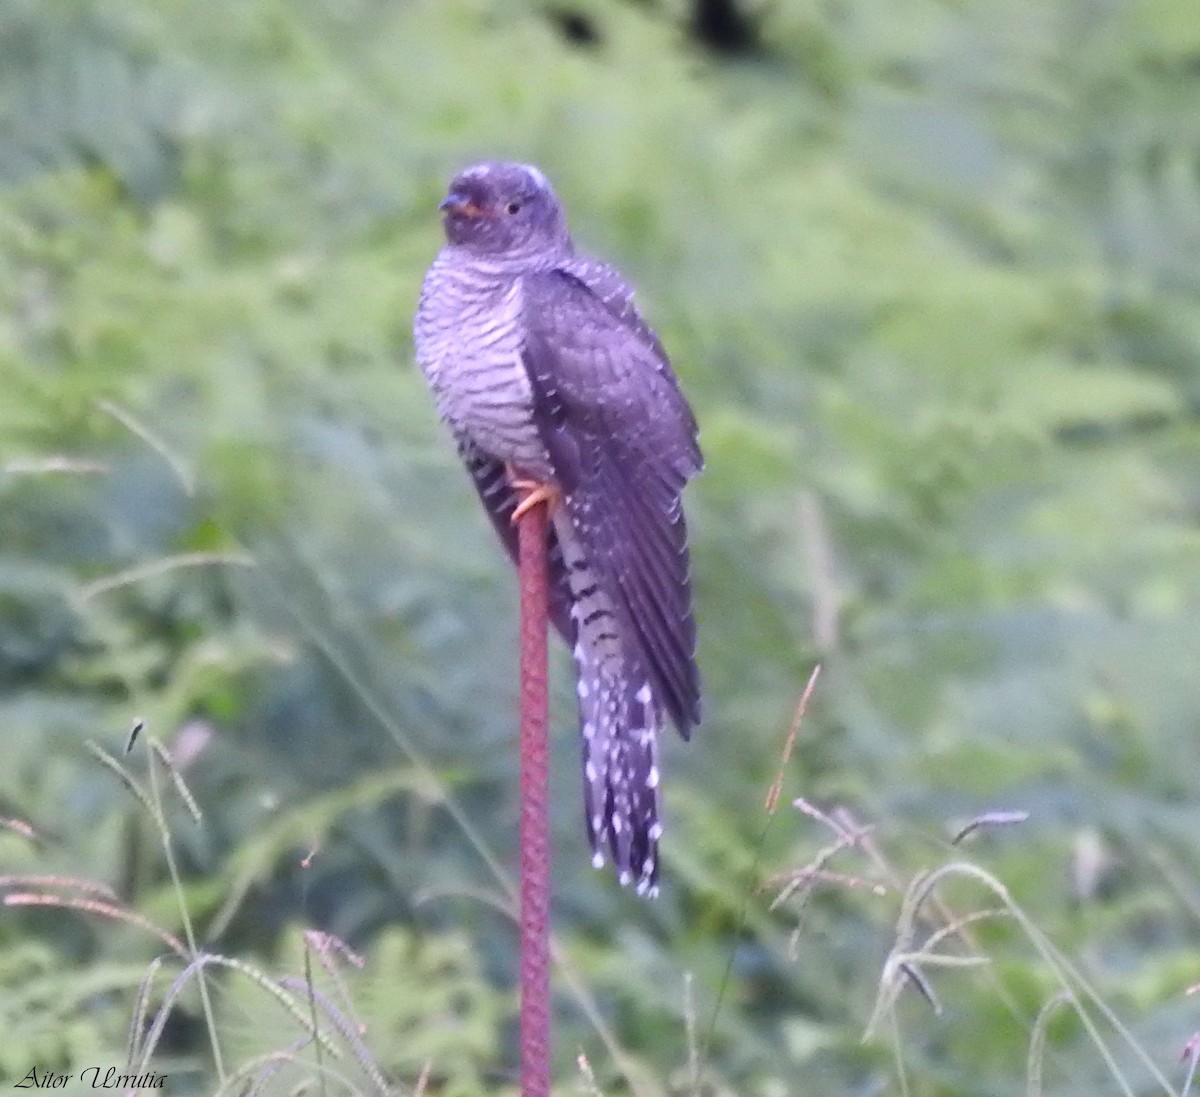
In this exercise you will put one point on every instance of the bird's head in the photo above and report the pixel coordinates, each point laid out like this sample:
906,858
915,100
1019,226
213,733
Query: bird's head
502,210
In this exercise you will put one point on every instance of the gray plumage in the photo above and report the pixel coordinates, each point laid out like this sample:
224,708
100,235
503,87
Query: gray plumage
542,365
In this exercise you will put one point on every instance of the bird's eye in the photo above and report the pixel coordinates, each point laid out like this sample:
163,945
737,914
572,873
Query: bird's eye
512,207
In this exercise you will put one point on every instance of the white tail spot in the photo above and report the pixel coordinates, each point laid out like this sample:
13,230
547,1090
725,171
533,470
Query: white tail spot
652,777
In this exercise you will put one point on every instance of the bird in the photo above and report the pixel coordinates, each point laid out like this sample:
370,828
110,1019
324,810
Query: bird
549,377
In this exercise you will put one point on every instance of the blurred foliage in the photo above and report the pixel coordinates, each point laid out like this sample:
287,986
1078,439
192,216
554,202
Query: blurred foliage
930,273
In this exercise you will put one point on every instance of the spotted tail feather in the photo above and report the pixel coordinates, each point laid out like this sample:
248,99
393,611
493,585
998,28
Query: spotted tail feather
620,721
621,724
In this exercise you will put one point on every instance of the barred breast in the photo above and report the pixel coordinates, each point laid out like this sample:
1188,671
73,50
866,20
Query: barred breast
468,339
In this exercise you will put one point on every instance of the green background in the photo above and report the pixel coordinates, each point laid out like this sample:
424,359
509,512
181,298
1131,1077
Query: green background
929,273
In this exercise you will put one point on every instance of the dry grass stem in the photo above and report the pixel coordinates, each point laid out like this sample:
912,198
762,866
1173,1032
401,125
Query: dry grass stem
95,906
1191,1055
154,568
19,826
72,883
122,774
155,441
59,463
177,782
348,1028
423,1079
140,1012
776,789
327,947
989,819
818,551
588,1076
1037,1044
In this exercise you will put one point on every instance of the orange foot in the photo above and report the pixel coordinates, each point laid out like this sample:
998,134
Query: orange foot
536,492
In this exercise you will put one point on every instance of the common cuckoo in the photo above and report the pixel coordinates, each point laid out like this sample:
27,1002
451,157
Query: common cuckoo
547,374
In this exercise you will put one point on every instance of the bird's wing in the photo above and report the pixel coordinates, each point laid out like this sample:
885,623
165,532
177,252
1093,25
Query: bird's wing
622,442
607,284
500,500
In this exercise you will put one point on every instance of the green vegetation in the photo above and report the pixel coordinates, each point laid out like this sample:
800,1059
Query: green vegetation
930,273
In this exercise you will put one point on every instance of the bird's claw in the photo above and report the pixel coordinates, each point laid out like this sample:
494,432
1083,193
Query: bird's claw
535,492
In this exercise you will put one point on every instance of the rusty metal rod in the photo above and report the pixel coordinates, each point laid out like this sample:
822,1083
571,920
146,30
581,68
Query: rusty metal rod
533,530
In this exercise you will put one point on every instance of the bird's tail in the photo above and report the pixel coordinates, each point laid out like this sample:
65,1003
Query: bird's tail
621,723
621,720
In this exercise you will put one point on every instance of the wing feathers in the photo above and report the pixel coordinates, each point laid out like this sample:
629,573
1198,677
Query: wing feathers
622,443
661,617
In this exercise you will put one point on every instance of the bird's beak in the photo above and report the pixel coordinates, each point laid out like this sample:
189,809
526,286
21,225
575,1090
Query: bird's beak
461,205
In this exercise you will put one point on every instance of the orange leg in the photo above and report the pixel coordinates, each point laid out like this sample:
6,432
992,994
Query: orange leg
536,492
